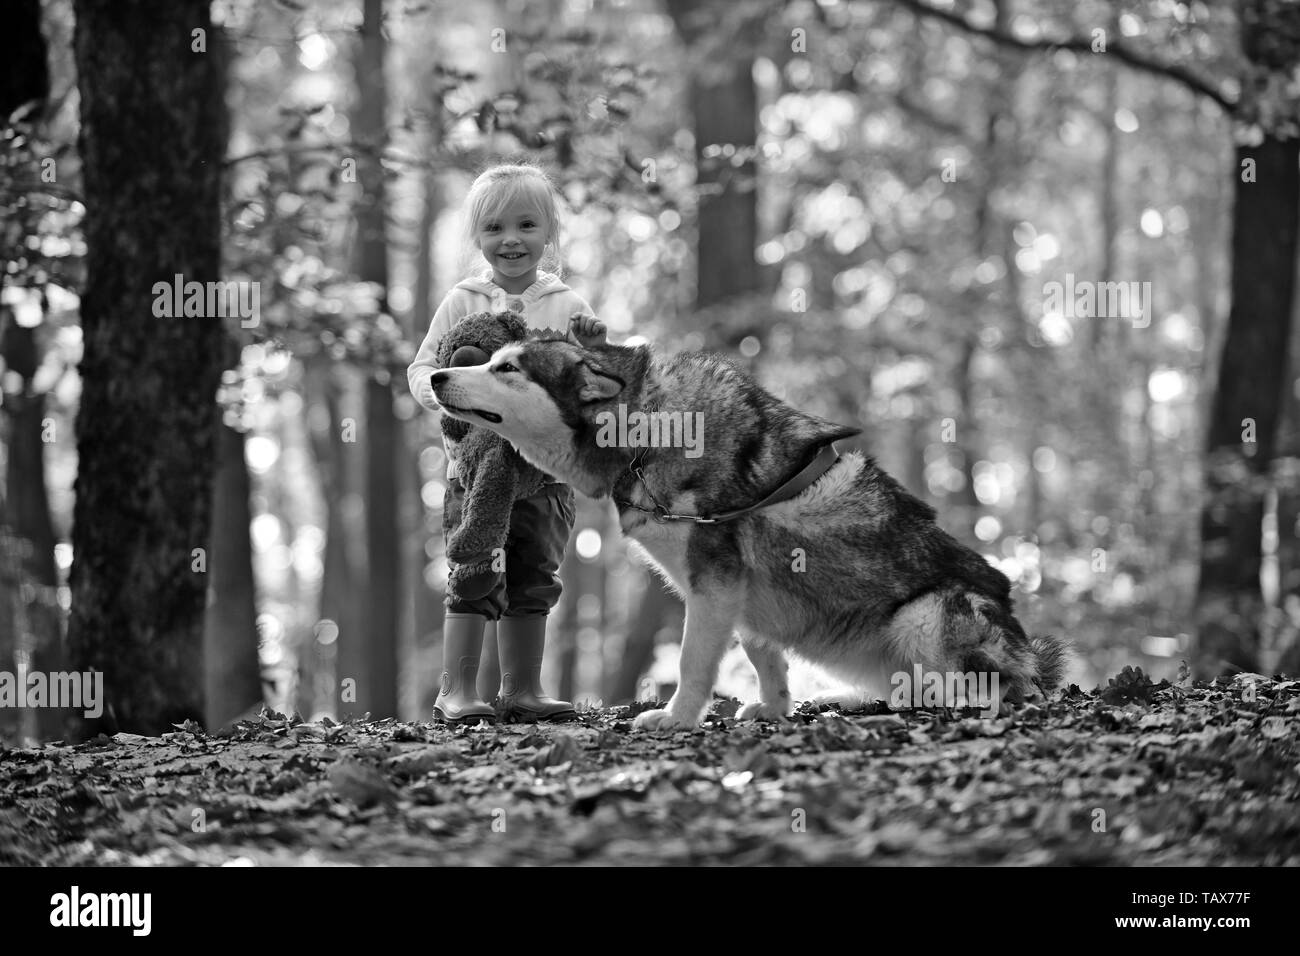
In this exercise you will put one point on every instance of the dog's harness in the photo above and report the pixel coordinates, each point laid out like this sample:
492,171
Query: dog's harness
796,484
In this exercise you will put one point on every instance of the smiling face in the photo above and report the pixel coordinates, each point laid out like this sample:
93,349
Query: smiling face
512,242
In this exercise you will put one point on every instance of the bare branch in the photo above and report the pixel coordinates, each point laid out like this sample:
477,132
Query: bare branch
290,149
1122,52
914,107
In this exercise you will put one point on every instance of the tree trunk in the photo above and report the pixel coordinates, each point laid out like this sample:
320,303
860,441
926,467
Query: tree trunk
336,653
30,621
29,612
564,645
1028,364
657,608
1108,340
232,678
152,139
724,104
383,547
1246,406
1284,649
726,114
232,672
1109,199
425,601
987,241
963,507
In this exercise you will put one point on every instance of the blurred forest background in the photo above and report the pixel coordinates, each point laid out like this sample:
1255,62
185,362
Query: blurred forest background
863,201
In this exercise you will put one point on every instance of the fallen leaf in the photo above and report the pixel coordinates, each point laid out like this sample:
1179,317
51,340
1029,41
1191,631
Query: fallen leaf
1274,728
416,763
360,783
563,750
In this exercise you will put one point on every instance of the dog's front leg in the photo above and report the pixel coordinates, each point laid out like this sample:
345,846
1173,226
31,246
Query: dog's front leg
710,624
773,683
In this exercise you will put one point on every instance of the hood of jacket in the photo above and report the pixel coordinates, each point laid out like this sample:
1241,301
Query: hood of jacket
546,284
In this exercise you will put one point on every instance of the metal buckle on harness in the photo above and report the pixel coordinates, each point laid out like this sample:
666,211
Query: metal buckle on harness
661,515
659,512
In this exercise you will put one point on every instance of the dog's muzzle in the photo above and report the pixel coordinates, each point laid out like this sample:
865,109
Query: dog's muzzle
441,377
487,416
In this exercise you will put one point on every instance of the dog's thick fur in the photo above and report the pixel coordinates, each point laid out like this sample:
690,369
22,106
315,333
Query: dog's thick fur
852,574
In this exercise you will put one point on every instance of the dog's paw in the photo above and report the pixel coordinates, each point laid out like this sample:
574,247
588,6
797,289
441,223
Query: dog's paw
848,699
660,720
758,710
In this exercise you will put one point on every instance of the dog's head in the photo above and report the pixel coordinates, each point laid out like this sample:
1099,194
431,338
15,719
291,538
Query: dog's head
543,397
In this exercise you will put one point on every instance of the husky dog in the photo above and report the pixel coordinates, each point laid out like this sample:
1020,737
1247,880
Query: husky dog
851,573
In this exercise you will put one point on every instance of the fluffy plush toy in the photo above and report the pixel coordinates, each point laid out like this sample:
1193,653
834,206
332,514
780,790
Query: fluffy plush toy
492,472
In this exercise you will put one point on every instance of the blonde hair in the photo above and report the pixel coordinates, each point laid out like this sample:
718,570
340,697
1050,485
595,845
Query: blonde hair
497,189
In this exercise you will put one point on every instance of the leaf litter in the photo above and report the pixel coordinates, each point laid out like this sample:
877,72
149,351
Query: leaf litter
1136,773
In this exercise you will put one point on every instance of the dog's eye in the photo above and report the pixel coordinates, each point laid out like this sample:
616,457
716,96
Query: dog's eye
506,367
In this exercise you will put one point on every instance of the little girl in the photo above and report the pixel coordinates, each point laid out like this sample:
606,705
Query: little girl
512,216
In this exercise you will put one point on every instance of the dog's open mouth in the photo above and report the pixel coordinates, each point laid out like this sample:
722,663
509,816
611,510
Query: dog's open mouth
487,416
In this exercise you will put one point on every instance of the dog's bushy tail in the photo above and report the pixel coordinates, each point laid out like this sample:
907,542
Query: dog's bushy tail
1052,656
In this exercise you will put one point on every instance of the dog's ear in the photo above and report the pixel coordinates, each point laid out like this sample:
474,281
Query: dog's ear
597,385
838,432
811,432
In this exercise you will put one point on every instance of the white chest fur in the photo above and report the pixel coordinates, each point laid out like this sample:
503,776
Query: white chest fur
661,545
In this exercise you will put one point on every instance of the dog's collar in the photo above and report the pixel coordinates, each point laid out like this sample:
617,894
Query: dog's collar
820,464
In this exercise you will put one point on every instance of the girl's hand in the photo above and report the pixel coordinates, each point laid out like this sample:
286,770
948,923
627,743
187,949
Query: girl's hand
586,330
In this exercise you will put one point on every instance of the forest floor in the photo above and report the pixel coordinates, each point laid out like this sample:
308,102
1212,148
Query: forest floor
1133,774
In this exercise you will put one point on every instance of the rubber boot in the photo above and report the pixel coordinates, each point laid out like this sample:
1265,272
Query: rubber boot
462,642
489,665
521,641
